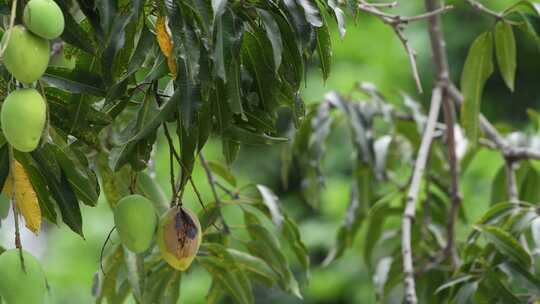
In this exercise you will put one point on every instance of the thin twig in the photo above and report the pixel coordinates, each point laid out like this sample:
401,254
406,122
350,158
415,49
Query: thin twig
212,183
103,250
438,48
481,8
18,243
381,4
412,195
511,182
398,24
11,24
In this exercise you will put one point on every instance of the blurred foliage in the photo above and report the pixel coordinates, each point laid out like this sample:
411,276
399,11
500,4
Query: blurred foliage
368,52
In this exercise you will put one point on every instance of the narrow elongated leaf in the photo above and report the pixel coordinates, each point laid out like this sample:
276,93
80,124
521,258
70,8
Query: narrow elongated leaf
454,282
505,49
340,17
271,202
324,49
274,35
493,215
61,191
230,276
506,244
151,120
254,265
218,6
476,71
76,81
258,58
135,272
311,11
498,292
266,246
222,172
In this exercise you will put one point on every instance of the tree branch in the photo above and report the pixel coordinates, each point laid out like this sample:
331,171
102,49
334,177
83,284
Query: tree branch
508,151
511,182
412,195
398,24
481,8
212,182
438,47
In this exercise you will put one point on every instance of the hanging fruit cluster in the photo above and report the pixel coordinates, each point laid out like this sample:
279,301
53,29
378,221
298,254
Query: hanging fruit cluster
26,57
23,117
178,235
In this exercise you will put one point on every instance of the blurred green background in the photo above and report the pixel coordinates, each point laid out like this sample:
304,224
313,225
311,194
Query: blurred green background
370,52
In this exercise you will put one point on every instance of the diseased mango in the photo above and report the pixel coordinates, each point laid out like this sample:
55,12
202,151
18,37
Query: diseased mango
44,18
19,286
179,237
26,56
23,117
136,220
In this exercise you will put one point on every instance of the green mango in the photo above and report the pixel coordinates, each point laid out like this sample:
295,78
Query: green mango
23,117
179,237
44,18
135,219
26,56
19,286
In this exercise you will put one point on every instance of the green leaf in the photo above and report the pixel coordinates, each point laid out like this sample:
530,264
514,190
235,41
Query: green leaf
105,284
506,244
73,32
340,17
39,183
324,49
222,172
162,285
150,117
75,81
274,35
497,290
258,58
505,49
266,246
244,136
209,216
476,71
454,282
271,202
149,187
82,180
61,191
135,272
524,276
254,265
311,12
227,272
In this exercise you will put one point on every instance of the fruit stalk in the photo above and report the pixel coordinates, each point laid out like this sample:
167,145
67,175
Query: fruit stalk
11,23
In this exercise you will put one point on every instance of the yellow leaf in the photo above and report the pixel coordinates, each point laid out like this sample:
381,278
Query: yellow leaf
165,43
26,198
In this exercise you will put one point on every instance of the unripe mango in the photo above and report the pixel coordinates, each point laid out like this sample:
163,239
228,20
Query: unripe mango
23,118
179,237
19,286
44,18
26,56
136,220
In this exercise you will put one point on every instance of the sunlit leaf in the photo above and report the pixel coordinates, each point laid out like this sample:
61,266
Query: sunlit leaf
476,71
25,197
505,49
